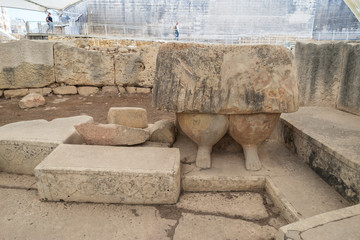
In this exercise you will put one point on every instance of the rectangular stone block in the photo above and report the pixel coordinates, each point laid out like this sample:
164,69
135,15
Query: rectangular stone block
23,145
104,174
26,64
15,93
78,66
128,116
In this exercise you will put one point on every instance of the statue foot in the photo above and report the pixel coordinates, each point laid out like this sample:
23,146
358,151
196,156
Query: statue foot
203,157
252,161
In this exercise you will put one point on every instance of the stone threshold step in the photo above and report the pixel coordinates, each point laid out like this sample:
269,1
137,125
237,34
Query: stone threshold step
293,186
329,141
104,174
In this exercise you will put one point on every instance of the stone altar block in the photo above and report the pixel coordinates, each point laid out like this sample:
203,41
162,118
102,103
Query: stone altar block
105,174
251,85
23,145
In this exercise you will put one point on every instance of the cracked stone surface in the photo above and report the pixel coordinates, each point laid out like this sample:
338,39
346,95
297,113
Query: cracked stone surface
23,216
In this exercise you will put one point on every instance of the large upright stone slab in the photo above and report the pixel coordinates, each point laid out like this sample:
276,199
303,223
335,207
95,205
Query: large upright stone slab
225,79
25,64
105,174
78,66
320,68
349,91
23,145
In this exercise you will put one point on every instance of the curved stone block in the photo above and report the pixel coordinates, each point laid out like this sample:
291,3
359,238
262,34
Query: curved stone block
225,79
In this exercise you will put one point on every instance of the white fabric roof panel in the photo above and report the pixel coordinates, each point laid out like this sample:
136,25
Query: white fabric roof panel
38,5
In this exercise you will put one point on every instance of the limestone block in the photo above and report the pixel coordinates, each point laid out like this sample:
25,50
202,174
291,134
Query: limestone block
32,100
65,90
26,64
78,66
16,93
136,68
87,91
122,90
111,134
104,174
225,79
1,93
143,90
23,145
128,116
130,89
163,131
319,66
42,91
349,92
110,90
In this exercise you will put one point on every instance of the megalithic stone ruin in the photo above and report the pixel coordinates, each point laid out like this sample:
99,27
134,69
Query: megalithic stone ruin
250,86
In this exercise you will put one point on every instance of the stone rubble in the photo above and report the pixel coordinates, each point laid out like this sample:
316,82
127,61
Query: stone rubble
163,131
32,100
112,134
128,116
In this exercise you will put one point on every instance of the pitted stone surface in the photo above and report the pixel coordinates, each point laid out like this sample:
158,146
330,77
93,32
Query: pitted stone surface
225,79
128,116
26,64
136,68
77,66
106,174
112,134
23,145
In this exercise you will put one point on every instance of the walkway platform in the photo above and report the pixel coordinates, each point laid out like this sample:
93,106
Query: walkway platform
328,140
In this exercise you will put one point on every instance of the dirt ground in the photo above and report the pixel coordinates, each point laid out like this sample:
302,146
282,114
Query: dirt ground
96,106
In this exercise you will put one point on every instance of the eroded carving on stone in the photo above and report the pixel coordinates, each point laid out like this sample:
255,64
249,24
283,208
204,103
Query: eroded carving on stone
17,155
250,85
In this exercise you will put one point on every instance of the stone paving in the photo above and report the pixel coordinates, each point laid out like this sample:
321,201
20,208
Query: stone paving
230,215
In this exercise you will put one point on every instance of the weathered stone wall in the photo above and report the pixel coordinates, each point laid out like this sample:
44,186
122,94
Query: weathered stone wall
26,64
349,92
67,67
327,71
329,75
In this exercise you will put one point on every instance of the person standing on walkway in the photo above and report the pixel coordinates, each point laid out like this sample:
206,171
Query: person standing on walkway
177,32
50,23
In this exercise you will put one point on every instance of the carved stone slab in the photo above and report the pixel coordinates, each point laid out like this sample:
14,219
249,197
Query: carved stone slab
23,145
225,79
106,174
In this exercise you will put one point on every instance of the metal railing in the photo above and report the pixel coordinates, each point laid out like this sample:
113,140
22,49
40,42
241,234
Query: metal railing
149,32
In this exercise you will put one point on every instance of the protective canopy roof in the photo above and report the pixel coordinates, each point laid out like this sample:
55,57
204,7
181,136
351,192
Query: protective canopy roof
354,5
38,5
